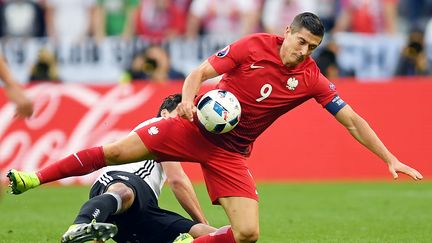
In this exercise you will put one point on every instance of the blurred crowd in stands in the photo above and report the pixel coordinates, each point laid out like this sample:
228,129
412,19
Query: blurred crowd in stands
161,21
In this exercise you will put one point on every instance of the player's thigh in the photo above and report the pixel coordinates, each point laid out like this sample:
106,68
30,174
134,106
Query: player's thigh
126,150
243,214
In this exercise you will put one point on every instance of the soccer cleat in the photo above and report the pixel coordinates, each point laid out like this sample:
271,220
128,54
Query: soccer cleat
183,238
20,181
78,233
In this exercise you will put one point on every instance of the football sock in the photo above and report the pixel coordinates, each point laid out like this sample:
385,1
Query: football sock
222,235
80,163
99,208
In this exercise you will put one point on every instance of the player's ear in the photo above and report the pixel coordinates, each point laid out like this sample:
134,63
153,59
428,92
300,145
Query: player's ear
164,113
287,30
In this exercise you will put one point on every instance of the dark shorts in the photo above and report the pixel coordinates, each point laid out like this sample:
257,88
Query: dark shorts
144,222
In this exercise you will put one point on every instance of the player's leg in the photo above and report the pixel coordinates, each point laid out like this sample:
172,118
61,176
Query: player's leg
201,229
208,232
243,216
117,199
126,150
105,200
230,183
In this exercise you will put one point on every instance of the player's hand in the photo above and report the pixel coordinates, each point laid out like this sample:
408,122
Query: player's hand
24,106
399,167
24,109
186,110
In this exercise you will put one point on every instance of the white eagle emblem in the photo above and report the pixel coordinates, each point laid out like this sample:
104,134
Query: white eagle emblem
153,130
292,83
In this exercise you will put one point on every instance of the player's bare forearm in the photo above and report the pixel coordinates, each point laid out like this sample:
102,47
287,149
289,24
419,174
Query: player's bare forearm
191,87
187,198
183,190
193,81
5,74
15,93
361,131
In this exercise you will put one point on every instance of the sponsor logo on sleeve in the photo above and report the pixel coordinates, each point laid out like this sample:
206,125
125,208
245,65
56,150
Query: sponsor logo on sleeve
332,86
223,52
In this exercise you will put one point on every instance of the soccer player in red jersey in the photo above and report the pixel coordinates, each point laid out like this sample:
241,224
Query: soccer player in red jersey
269,75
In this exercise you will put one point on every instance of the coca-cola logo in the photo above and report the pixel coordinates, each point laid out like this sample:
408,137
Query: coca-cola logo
68,118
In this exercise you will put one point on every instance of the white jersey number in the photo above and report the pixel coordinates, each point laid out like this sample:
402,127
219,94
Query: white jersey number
265,92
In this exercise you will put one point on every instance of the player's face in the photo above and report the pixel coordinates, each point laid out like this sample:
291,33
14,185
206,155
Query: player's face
298,46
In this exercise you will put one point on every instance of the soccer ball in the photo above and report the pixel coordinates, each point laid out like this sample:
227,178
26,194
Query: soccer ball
218,111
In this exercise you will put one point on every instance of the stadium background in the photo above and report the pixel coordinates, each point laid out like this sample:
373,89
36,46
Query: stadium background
91,101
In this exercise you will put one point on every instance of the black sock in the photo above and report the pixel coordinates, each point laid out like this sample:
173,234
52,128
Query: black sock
99,208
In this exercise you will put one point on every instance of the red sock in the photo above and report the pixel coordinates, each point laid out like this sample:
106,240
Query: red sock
80,163
222,235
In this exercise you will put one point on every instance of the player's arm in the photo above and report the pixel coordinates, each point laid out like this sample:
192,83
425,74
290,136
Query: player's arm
363,133
183,190
24,107
191,87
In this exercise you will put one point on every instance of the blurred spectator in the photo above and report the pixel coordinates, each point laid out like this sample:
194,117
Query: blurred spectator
136,69
152,64
115,18
162,70
327,10
70,20
224,17
22,18
159,20
428,40
327,61
45,68
413,60
277,14
183,5
367,16
415,14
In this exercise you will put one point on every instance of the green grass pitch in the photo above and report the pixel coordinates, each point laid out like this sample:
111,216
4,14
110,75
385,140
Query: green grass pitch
399,211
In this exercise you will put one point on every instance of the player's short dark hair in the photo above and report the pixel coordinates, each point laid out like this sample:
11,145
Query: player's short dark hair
308,21
170,103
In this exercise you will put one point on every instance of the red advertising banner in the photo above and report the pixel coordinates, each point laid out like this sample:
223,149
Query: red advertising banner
305,144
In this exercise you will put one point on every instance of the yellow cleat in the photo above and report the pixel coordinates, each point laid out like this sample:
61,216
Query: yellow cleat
183,238
20,181
78,233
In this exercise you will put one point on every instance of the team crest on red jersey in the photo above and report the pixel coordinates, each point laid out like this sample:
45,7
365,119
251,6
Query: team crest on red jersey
223,52
292,83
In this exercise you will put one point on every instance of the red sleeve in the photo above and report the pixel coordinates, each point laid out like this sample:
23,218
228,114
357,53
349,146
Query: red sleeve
230,57
324,90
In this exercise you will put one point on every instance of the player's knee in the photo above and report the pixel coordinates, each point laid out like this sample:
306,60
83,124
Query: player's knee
201,229
246,234
125,194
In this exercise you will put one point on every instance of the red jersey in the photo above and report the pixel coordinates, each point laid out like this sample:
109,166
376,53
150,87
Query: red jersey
265,87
